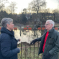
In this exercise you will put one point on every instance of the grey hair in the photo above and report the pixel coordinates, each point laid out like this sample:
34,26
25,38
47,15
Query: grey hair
51,22
6,21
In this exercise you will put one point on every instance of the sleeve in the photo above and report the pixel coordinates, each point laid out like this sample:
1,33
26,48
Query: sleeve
39,39
6,47
18,40
56,48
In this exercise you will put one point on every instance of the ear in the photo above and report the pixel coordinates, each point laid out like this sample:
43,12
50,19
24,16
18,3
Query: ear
52,25
7,25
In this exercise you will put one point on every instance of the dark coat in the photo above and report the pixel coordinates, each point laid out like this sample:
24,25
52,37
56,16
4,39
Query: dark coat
8,45
52,44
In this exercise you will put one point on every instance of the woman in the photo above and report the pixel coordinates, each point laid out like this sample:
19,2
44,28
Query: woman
8,44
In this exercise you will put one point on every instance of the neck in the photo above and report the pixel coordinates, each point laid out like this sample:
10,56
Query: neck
48,29
9,29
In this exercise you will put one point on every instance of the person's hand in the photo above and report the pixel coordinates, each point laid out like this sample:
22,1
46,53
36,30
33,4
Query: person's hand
33,41
18,40
19,49
47,56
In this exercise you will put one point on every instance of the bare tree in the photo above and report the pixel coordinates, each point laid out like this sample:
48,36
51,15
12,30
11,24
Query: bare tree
29,8
2,4
1,7
12,7
36,5
58,4
24,10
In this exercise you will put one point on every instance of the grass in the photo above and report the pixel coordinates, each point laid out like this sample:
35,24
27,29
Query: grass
29,52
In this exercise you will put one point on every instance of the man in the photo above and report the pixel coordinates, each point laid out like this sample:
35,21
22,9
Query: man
49,45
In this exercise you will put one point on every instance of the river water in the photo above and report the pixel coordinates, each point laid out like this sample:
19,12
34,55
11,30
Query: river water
27,35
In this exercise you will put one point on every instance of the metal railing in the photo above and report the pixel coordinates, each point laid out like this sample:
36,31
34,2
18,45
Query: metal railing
29,51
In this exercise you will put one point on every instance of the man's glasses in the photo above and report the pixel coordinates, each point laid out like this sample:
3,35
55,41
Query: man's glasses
47,24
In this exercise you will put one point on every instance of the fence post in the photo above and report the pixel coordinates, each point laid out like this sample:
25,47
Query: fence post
20,30
25,51
34,51
21,50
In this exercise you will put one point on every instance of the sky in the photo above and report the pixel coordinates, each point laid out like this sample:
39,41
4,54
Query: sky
52,4
21,4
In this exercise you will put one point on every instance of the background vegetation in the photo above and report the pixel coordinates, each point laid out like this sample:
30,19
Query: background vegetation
36,13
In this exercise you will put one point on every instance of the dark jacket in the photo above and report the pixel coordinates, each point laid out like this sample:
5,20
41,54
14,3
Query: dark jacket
52,44
8,45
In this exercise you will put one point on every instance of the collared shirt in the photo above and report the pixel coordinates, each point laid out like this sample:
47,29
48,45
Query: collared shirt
45,40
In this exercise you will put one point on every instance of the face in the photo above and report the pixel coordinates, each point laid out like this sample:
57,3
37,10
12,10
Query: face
48,26
10,26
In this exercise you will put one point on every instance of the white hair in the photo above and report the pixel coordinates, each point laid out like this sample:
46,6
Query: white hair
51,22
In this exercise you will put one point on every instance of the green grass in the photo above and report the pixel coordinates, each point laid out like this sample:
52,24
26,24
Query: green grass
29,53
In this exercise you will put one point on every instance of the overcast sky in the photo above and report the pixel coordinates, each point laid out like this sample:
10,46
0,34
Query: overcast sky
21,4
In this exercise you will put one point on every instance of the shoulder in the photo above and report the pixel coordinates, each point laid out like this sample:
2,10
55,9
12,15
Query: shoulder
56,33
4,36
